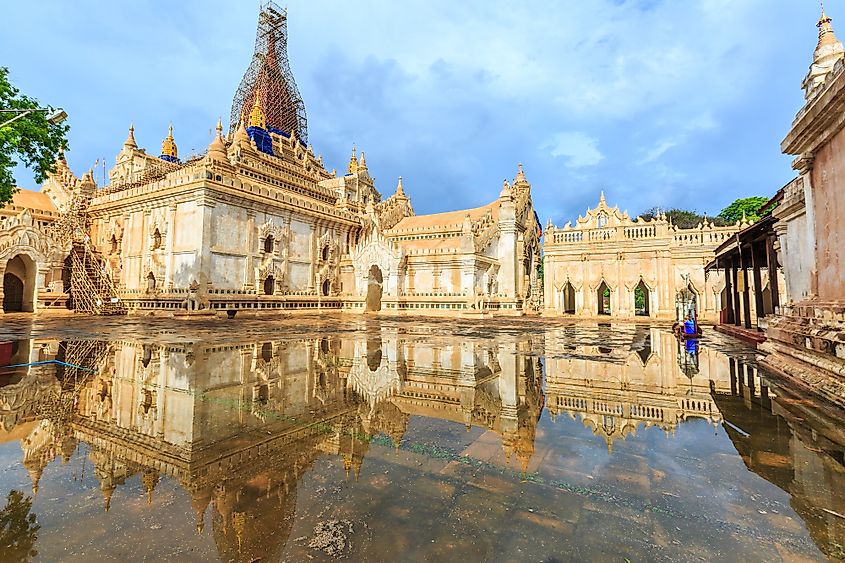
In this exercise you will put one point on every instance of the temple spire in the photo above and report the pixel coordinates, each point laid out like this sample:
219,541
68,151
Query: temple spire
130,140
829,51
353,162
217,148
168,147
256,116
399,190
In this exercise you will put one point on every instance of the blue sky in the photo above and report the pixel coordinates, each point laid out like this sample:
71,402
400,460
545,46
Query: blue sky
657,102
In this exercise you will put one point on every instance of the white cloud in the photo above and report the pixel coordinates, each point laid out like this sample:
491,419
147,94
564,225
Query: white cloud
579,149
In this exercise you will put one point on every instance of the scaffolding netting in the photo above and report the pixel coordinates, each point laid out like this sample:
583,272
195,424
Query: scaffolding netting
269,77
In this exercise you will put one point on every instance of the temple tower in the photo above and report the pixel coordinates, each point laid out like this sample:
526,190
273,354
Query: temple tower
270,80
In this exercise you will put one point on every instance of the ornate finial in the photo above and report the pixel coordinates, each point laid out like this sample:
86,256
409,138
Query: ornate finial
353,162
601,198
506,190
130,140
520,176
241,136
217,148
399,190
168,147
256,116
828,52
362,164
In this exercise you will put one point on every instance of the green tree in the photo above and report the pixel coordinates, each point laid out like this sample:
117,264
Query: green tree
32,138
18,528
682,218
748,206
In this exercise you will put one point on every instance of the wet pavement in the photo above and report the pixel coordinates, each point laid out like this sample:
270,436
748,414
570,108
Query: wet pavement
383,439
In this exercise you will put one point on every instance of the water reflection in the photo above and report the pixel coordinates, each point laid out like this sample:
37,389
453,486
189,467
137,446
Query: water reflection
238,425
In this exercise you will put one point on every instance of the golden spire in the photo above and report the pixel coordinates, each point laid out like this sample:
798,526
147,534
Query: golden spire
149,479
353,163
399,190
168,146
256,116
130,140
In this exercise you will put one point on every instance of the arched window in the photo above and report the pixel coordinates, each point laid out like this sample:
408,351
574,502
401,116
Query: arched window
267,351
151,282
325,253
603,297
113,244
156,240
326,287
268,244
641,300
269,286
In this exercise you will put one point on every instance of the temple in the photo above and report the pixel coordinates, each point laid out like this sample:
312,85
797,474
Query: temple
257,224
608,264
806,339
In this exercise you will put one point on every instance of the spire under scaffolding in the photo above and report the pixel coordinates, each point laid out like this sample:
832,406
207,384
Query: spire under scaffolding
270,79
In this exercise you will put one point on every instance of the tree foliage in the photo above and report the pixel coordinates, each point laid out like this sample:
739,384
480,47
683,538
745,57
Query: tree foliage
747,206
32,139
18,528
681,218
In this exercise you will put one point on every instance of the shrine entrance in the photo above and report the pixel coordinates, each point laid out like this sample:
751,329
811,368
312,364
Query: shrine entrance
375,289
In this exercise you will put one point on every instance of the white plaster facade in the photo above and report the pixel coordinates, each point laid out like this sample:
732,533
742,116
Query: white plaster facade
607,249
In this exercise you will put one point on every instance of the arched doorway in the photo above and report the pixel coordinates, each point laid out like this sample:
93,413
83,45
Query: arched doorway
19,285
567,297
270,285
686,303
151,282
327,286
375,279
603,296
642,296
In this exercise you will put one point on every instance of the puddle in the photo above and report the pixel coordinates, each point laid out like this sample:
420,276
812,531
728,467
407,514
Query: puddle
343,438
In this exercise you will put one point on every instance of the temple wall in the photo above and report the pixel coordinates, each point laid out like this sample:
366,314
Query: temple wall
828,180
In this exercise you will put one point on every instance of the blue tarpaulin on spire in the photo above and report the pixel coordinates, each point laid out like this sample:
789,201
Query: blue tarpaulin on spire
262,139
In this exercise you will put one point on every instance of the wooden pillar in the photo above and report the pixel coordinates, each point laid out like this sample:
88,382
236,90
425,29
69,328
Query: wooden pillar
729,304
758,281
746,301
772,262
737,303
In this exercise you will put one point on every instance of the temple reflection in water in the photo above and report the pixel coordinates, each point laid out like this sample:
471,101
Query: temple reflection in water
238,425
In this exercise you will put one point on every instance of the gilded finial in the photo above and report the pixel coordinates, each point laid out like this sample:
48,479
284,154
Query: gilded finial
399,189
256,116
168,146
353,162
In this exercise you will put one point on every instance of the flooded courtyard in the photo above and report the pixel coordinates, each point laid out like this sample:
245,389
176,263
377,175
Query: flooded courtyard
382,439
